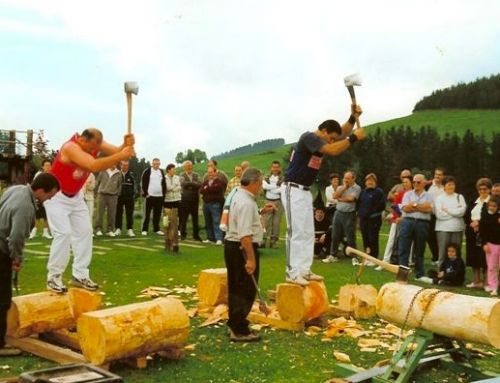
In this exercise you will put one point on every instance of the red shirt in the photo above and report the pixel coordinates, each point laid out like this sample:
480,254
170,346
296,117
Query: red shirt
71,177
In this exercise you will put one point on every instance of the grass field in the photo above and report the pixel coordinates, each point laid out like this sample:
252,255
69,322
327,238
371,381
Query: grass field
125,266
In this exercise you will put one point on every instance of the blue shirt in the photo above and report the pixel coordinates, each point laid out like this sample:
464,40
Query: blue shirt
412,197
305,160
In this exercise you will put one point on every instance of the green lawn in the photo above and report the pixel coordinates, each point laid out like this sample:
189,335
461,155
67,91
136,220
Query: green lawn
448,121
282,356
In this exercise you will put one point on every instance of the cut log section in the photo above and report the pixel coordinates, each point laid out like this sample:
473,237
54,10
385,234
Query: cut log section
212,287
297,303
132,330
47,311
455,316
358,299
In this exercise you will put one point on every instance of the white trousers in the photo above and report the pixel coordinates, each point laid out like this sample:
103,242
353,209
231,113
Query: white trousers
298,205
71,228
390,242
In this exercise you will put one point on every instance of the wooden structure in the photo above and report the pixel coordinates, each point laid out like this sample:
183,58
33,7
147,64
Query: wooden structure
212,287
358,299
16,152
297,303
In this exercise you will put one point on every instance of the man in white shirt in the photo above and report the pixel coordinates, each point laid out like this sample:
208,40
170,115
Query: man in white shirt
271,221
435,189
153,189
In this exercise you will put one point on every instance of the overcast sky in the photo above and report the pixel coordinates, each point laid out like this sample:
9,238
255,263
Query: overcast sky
216,75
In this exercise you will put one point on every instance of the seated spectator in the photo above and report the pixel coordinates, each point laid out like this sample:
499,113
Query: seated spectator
451,271
489,231
322,233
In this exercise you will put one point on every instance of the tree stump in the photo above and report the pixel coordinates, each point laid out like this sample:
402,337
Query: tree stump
456,316
358,299
212,287
48,311
132,330
301,303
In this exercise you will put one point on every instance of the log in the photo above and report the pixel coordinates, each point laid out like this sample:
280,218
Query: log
297,303
212,287
456,316
47,311
358,299
132,330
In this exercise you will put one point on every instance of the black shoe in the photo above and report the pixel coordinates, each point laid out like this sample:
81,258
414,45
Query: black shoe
251,337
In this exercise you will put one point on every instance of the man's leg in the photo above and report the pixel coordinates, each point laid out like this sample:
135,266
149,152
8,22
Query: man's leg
119,213
421,232
349,220
404,241
148,206
216,211
81,239
112,200
374,230
183,215
100,211
275,233
209,229
5,293
337,233
157,212
432,240
194,219
129,212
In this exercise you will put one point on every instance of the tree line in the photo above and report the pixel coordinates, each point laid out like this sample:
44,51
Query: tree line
483,93
256,147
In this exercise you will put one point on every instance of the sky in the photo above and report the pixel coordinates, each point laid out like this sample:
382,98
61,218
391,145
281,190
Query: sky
217,74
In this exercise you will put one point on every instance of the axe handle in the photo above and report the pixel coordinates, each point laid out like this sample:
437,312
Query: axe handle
129,112
350,88
387,266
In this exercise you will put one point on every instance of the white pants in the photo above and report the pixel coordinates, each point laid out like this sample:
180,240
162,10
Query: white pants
69,222
90,206
298,207
390,242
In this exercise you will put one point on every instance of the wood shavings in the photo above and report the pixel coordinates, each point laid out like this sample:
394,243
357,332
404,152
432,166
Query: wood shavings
220,313
342,357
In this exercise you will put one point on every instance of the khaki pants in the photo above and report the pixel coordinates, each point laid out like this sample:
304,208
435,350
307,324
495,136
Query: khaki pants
271,221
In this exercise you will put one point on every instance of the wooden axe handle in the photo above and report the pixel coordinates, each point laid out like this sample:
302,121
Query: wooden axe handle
350,88
387,266
129,112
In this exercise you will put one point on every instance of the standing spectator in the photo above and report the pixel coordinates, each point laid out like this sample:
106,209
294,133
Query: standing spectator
398,187
67,212
371,204
89,194
436,188
220,173
416,213
244,165
449,209
495,190
41,214
17,215
322,233
344,220
272,220
212,191
475,256
489,230
331,203
153,191
108,184
126,200
171,206
235,181
190,200
241,254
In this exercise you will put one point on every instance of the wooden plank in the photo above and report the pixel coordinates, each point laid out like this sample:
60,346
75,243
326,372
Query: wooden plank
338,312
62,337
275,322
46,350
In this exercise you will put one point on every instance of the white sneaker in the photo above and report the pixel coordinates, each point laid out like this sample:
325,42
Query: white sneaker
130,233
206,241
144,233
33,233
369,264
118,232
425,280
159,232
298,281
310,276
98,233
355,262
111,234
46,234
378,268
56,284
330,259
219,242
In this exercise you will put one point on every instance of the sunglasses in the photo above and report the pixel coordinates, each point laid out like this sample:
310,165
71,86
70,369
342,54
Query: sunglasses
417,182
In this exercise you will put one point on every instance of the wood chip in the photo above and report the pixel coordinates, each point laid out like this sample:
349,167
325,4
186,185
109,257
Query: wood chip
342,357
368,343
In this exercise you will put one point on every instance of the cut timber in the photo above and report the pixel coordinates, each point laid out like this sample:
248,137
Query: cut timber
47,311
46,350
452,315
358,299
275,322
297,303
62,337
132,330
212,287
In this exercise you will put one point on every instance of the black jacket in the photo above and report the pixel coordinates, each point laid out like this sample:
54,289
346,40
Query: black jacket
128,185
146,174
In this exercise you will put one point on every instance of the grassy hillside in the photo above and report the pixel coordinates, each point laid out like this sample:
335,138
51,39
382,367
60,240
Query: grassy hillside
449,121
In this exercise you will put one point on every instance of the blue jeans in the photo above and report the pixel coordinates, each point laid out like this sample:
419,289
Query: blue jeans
212,212
416,231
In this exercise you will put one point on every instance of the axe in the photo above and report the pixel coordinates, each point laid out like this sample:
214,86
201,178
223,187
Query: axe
130,87
350,82
402,272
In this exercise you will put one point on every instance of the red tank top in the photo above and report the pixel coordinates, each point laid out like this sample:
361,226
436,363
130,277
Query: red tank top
71,177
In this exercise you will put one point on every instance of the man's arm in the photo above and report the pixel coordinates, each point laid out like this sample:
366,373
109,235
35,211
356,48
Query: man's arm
20,225
247,247
71,152
107,148
338,147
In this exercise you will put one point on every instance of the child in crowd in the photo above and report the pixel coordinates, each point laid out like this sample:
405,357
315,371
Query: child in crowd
489,232
322,233
452,270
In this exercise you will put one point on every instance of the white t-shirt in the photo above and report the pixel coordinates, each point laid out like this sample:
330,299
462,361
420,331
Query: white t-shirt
154,188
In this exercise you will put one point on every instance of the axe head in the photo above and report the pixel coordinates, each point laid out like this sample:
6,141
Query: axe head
131,87
353,80
403,274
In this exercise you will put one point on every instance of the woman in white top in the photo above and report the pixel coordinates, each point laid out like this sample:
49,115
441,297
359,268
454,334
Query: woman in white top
171,209
449,208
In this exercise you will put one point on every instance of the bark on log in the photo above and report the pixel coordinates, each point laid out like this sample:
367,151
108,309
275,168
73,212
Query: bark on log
358,299
212,287
301,303
47,311
463,317
132,330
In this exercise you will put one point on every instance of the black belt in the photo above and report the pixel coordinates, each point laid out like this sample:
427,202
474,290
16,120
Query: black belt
69,195
417,219
273,200
298,186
